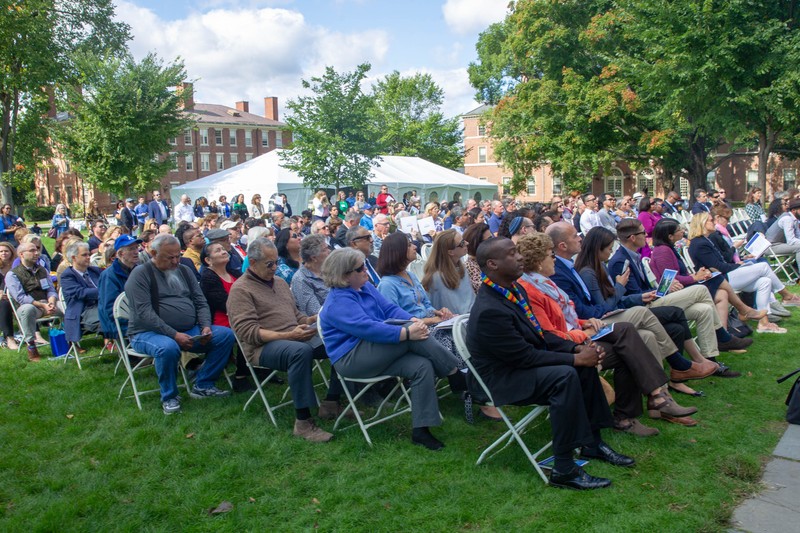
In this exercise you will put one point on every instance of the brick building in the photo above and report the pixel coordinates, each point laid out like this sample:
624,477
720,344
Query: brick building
221,137
736,174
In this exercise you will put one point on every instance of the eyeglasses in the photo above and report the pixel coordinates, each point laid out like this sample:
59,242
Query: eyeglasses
462,244
271,264
639,233
359,269
364,237
552,254
296,236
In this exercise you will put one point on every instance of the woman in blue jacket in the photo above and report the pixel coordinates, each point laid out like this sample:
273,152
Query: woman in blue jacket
360,344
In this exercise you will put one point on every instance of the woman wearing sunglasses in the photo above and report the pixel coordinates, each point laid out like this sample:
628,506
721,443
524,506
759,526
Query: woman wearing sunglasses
288,244
360,344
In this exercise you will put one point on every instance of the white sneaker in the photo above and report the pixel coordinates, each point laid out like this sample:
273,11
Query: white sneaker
171,406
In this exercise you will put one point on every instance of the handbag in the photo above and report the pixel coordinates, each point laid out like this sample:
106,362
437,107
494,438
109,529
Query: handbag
52,232
736,327
58,342
793,399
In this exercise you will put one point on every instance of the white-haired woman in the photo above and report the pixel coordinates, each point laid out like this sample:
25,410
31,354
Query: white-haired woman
361,344
307,286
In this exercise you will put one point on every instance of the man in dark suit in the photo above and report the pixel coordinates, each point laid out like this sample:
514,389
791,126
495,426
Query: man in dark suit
127,216
523,365
158,209
671,203
701,204
79,285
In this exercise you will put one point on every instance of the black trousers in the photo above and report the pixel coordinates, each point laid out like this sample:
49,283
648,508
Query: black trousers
674,321
636,370
577,404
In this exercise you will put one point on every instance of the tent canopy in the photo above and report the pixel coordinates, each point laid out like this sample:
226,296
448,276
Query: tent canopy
264,175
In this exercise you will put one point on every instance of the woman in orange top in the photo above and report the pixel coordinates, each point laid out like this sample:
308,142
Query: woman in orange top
556,314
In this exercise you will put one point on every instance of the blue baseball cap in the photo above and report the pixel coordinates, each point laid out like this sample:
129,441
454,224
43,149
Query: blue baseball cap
125,240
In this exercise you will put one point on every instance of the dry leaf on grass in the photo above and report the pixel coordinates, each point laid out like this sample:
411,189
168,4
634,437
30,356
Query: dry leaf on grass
223,507
251,499
315,501
70,417
190,435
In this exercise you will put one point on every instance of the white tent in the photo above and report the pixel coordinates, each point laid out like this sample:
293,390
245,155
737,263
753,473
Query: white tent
264,175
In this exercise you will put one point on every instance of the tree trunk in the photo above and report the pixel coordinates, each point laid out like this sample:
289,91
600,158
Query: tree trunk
6,153
667,181
766,142
698,171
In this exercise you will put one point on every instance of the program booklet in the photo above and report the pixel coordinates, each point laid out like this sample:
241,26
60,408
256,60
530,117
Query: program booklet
666,282
757,245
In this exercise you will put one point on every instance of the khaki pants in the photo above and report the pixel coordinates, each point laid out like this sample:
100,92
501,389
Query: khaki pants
697,305
650,330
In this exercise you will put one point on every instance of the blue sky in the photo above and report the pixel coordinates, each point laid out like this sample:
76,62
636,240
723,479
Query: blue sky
248,49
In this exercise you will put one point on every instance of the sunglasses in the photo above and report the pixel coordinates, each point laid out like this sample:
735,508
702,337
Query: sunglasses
271,264
359,269
364,237
462,244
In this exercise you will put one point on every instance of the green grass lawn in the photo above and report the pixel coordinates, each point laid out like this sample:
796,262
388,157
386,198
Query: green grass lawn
74,458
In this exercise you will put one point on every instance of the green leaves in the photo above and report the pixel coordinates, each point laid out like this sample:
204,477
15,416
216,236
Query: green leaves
122,119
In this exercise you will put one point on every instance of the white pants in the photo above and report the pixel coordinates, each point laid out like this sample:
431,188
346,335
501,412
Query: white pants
757,278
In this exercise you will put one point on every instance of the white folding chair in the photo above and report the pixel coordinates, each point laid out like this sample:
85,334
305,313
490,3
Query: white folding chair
782,264
425,251
687,259
260,387
51,321
417,267
121,311
515,429
73,348
377,418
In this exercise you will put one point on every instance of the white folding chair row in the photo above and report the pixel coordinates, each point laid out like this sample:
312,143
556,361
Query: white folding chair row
515,430
782,264
648,272
122,311
51,321
425,251
417,267
687,259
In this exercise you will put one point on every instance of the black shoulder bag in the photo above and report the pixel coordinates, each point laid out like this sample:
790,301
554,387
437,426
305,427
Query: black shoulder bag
793,399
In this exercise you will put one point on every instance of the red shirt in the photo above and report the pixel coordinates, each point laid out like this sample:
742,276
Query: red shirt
220,318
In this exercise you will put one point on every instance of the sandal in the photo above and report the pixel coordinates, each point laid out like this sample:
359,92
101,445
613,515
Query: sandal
753,314
770,328
667,407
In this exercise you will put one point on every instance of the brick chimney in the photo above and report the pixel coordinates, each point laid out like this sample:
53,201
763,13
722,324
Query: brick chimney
243,106
271,107
186,93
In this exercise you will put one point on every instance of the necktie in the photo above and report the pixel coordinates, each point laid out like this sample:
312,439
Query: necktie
89,280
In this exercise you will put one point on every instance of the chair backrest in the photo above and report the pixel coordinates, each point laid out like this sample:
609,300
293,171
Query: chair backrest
651,277
460,339
418,268
121,311
425,251
687,259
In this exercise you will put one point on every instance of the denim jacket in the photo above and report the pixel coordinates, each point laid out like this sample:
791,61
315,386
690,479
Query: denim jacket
411,298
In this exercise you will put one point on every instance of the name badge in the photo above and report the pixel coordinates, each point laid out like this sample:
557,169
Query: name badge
45,283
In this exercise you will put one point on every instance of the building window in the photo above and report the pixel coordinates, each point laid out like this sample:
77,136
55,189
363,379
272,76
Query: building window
646,181
43,195
233,137
234,159
506,186
189,163
203,137
68,190
279,139
67,167
531,186
558,183
481,154
218,136
57,194
205,162
789,178
752,179
483,178
481,130
187,137
264,138
248,157
683,186
248,138
614,182
711,180
220,162
172,141
173,157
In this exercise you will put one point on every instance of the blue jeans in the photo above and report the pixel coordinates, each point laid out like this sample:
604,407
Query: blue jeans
166,353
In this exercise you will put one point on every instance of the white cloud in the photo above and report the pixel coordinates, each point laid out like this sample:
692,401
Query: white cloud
471,16
238,54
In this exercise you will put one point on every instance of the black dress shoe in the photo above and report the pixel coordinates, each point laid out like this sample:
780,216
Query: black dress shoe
578,479
427,440
603,452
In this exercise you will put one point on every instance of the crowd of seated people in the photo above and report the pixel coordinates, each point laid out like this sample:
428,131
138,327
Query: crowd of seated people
548,305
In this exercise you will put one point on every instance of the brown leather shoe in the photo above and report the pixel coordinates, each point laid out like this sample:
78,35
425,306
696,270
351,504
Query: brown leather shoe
697,371
33,354
308,430
662,404
634,427
330,410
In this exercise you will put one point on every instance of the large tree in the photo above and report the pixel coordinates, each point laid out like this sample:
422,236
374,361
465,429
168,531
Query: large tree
408,116
335,141
581,83
122,117
37,41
